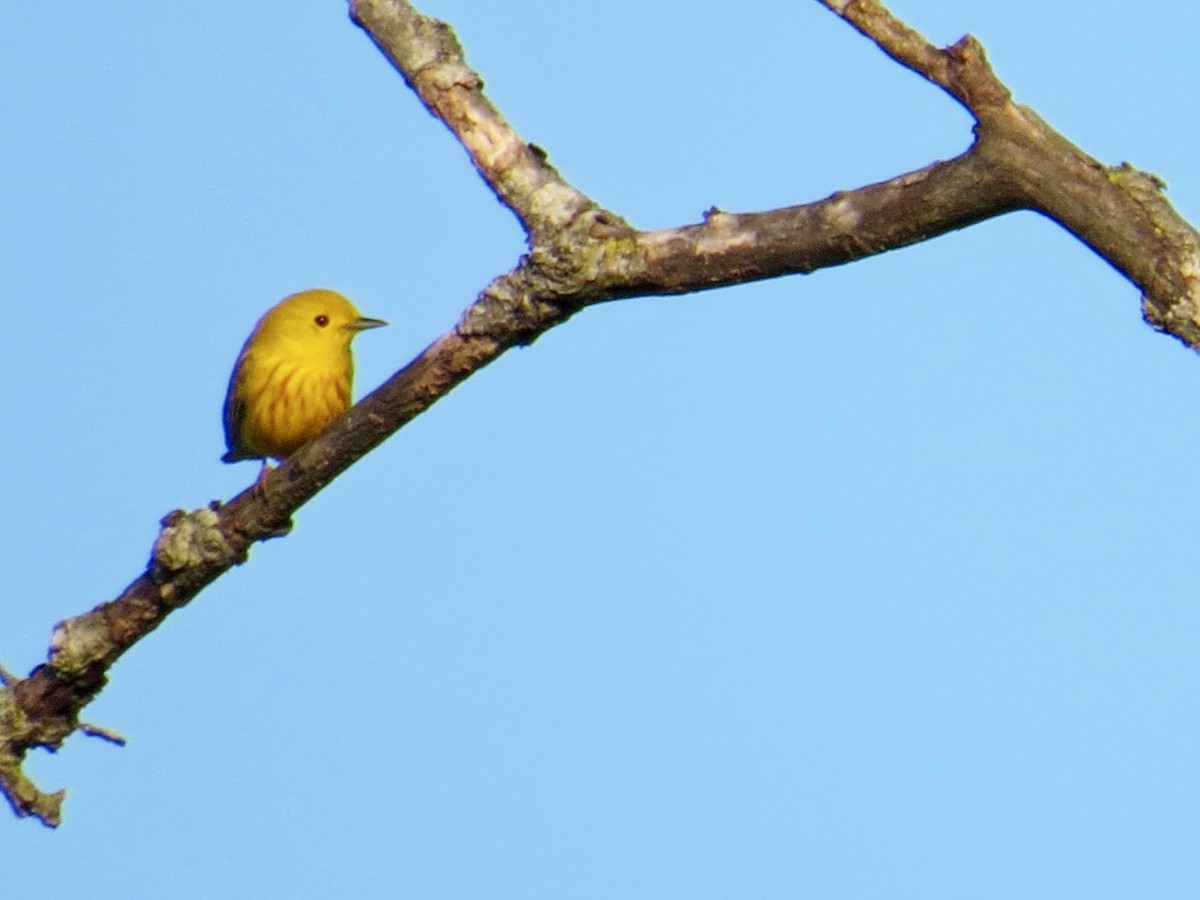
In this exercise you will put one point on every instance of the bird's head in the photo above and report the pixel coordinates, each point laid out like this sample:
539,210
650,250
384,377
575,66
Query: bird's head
315,323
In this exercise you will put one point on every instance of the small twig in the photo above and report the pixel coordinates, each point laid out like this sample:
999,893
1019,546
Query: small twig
105,734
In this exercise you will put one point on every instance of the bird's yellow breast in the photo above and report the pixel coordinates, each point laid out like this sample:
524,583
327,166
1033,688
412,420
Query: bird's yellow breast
287,401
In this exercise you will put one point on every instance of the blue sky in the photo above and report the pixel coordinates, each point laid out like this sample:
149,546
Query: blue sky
869,583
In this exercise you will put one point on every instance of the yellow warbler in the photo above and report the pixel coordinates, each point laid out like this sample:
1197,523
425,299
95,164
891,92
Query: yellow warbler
293,375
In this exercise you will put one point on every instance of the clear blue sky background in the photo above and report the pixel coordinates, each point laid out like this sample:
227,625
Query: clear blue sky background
878,582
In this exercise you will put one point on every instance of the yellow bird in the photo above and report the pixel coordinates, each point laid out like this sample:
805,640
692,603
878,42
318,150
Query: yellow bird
293,375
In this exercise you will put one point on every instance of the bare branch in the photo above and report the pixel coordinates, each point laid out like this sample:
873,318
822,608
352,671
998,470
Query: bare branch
959,70
427,53
729,248
581,254
1119,212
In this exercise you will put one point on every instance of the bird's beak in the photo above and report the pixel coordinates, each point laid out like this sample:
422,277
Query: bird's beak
362,323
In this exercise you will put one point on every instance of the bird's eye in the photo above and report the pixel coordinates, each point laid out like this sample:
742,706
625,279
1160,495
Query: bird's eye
322,320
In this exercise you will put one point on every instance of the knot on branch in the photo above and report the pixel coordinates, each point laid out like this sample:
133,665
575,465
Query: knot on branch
189,541
78,644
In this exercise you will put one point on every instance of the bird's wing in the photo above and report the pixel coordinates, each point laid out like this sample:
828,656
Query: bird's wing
235,408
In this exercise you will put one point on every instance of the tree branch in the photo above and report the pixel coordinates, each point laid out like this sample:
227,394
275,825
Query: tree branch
427,54
1119,212
581,254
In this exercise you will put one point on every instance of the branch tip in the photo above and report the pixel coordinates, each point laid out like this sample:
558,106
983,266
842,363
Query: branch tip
105,734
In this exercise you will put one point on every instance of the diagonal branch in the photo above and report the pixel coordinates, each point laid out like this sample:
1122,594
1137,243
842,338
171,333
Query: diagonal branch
581,254
427,54
907,46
